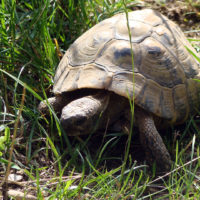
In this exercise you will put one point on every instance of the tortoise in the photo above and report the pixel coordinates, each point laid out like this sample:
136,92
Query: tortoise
95,80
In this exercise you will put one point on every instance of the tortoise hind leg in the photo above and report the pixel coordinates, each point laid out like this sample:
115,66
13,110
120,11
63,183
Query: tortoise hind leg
151,140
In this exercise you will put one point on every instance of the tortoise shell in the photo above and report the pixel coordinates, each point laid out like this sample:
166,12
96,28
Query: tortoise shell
164,70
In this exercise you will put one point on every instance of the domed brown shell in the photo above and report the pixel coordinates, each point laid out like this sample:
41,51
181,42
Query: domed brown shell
164,70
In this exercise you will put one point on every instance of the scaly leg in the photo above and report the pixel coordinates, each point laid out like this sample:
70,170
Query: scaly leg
151,140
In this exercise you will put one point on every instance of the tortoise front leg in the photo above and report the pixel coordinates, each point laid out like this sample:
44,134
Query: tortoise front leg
155,149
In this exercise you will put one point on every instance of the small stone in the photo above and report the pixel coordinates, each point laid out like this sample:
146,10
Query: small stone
15,177
18,195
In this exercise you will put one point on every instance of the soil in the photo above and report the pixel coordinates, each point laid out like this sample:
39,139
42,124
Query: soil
185,13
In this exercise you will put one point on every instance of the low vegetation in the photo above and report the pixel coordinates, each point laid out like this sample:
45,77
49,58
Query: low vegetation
47,163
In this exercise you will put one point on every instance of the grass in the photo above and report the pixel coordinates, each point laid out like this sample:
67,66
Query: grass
33,37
